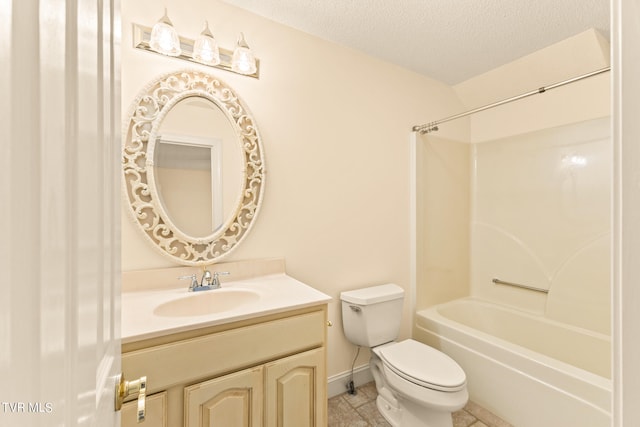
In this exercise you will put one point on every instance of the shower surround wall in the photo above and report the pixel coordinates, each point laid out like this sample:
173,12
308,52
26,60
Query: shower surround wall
442,235
541,218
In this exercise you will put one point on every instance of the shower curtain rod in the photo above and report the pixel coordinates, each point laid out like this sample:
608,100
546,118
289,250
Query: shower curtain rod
433,126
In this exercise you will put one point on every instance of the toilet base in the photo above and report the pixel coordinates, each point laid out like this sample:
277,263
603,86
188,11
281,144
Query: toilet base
408,414
414,415
389,411
405,413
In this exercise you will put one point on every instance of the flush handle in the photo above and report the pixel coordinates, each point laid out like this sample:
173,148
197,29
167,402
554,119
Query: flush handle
355,308
125,389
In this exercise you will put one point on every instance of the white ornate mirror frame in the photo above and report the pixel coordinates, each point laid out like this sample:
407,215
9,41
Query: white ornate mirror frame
144,204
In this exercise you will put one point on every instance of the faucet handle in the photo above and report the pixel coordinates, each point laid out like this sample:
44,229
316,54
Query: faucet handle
216,280
194,280
221,273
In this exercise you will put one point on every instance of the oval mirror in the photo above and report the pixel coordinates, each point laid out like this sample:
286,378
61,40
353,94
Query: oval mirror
193,167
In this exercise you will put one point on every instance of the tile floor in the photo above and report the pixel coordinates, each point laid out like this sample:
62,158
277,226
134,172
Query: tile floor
360,410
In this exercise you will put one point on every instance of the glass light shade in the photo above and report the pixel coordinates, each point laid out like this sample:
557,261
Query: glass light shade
164,38
243,60
205,48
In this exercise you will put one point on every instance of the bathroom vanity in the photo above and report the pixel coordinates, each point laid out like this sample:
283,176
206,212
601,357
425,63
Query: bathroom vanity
260,361
250,353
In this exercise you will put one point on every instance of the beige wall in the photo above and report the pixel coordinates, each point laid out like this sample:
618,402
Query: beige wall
335,125
583,100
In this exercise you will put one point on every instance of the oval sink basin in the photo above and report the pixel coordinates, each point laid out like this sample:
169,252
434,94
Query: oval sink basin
206,302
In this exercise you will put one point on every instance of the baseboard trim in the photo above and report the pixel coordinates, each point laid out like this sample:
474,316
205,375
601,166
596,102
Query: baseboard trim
337,384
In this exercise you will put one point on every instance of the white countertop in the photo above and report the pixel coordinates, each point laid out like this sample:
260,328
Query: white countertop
276,293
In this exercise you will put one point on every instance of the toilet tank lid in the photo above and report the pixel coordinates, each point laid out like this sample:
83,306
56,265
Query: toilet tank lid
373,294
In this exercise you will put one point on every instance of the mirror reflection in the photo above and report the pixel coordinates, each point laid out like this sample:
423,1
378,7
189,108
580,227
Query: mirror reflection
197,166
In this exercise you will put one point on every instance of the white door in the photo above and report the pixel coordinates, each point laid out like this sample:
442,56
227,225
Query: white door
626,216
59,212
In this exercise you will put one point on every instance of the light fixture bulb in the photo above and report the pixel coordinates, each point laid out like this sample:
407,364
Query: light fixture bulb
243,60
164,37
205,48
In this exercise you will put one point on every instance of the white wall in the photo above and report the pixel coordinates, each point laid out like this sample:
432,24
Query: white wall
335,125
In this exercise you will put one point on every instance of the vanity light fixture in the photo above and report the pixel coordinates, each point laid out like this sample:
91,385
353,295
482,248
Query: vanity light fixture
202,50
164,37
243,61
205,48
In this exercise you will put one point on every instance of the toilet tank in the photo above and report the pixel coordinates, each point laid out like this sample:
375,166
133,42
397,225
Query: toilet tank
371,316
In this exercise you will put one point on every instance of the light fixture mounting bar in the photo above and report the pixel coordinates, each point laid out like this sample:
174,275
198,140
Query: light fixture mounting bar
142,35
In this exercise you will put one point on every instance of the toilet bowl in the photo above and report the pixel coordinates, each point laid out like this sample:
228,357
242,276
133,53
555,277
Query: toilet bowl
418,385
425,382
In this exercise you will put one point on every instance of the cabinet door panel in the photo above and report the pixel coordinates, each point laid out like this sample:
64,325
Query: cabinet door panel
155,408
231,400
296,391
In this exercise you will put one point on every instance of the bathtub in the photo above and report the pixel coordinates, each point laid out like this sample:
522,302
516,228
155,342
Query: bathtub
529,370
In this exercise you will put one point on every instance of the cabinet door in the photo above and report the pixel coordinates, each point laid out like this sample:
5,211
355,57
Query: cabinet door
296,391
231,400
155,408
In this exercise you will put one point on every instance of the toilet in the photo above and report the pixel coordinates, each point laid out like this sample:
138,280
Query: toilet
418,386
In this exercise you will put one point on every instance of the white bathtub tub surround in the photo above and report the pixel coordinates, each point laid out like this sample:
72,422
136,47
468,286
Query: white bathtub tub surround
164,305
541,216
529,370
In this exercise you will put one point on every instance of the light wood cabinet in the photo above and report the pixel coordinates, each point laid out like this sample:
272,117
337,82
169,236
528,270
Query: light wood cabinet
291,391
231,400
268,371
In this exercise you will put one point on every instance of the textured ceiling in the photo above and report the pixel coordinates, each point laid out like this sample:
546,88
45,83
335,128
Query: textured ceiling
448,40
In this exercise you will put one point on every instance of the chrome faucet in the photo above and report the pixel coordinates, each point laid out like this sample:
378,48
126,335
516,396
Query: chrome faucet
206,279
207,282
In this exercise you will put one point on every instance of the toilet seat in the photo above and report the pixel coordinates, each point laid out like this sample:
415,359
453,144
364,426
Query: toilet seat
422,365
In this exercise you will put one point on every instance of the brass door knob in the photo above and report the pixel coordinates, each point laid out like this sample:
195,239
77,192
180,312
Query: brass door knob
125,389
